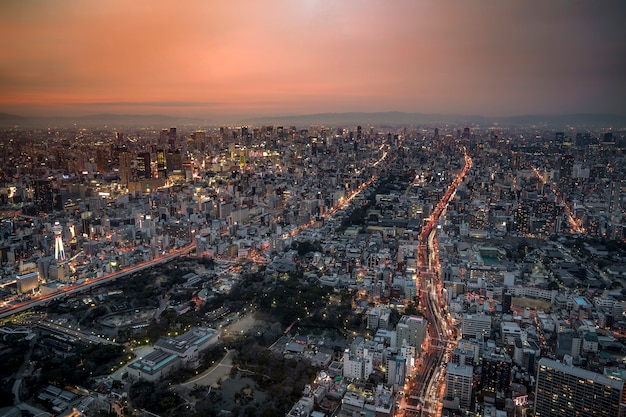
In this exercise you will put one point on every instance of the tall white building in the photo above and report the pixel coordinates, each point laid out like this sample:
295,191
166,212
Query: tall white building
411,331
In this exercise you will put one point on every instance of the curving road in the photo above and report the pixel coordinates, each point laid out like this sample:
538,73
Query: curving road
426,389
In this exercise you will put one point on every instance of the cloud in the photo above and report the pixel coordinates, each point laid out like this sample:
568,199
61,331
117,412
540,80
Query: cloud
154,103
275,56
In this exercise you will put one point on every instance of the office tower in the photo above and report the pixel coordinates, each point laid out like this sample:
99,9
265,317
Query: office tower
566,169
563,390
43,197
459,384
174,161
495,376
466,133
436,133
102,159
144,171
161,165
521,219
163,137
59,251
124,169
199,137
172,138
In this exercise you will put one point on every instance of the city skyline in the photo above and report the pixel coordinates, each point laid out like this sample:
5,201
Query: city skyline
286,58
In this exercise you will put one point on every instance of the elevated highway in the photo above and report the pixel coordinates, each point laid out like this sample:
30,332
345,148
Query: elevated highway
91,283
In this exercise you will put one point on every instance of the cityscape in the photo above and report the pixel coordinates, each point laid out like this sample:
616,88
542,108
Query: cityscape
454,271
312,209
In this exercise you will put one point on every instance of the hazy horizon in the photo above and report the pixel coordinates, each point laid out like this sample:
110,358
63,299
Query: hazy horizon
279,58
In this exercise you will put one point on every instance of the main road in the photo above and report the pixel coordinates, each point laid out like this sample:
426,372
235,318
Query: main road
73,289
426,390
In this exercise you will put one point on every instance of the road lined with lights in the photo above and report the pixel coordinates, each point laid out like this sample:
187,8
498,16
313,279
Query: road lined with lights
90,283
575,223
426,389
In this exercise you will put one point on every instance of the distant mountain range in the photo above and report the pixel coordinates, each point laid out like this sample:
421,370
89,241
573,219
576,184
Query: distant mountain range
379,119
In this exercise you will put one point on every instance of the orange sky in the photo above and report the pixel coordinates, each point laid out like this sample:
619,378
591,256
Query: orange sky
309,56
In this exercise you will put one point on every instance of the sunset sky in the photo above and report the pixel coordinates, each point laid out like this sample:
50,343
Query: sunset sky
280,57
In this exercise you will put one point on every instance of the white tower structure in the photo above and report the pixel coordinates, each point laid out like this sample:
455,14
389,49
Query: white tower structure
59,251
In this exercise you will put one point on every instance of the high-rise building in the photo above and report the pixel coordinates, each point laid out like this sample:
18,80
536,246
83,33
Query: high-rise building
563,390
459,379
125,166
43,197
172,138
495,376
199,137
507,298
559,137
396,370
161,163
144,171
521,218
566,169
174,161
163,137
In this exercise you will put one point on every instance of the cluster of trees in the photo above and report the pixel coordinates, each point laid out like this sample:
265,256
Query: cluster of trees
79,368
153,396
290,300
282,380
13,353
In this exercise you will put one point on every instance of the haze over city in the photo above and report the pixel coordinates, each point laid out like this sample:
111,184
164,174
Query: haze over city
218,58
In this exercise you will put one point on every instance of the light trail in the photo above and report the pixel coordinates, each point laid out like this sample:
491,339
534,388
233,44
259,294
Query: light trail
440,340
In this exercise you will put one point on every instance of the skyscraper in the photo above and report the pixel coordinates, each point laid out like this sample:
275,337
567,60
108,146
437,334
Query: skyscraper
521,218
563,390
172,138
566,169
43,197
124,158
161,163
144,171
